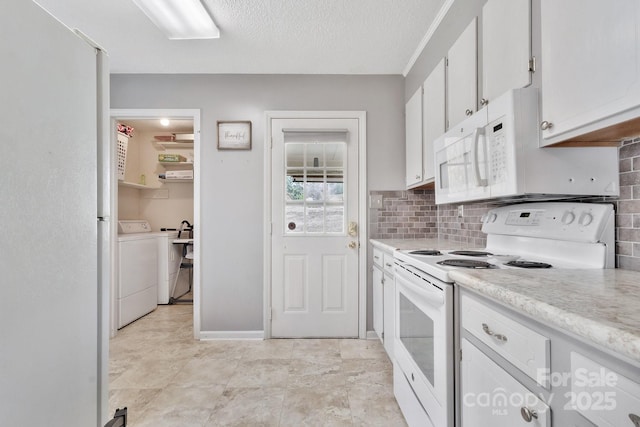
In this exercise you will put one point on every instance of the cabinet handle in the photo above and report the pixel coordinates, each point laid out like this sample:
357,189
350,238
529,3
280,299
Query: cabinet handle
527,414
376,257
388,265
546,125
417,176
635,419
468,112
488,331
484,101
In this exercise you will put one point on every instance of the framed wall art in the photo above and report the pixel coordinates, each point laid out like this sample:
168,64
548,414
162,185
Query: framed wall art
234,135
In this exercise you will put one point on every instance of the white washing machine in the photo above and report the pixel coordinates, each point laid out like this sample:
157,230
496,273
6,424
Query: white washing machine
147,267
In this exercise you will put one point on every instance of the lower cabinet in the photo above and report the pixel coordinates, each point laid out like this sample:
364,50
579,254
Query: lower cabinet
516,371
492,397
384,293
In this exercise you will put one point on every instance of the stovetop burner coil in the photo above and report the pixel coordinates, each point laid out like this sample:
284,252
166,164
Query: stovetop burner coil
429,252
470,253
466,263
528,264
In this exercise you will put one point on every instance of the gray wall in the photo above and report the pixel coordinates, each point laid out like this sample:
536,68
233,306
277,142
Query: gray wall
232,182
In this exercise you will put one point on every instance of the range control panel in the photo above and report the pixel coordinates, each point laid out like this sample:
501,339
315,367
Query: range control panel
551,220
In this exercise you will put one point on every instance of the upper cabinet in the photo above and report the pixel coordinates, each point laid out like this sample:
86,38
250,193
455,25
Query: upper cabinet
433,118
506,47
413,142
462,82
590,62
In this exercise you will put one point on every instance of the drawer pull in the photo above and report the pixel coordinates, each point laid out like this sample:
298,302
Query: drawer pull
388,265
527,414
376,257
488,331
635,419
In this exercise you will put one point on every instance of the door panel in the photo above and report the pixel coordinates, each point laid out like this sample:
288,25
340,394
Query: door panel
314,196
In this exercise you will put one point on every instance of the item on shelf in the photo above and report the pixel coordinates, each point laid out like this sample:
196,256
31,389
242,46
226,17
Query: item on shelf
171,158
124,129
123,142
181,174
165,138
183,137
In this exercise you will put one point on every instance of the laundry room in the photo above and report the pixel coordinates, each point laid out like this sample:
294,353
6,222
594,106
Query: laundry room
155,216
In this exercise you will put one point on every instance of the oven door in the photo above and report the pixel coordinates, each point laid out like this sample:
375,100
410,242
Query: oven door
424,340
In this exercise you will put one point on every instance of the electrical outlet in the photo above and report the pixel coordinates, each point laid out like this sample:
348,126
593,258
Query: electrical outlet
460,211
375,201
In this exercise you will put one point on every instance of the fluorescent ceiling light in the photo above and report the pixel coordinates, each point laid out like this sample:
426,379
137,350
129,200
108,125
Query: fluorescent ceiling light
180,19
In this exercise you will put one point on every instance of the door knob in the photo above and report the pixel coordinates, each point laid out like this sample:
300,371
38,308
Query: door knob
352,245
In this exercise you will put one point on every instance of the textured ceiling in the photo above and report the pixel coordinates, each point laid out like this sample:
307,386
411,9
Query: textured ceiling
261,36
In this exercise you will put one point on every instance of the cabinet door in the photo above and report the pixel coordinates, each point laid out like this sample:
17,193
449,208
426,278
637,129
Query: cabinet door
413,129
433,117
506,46
590,64
389,314
378,295
462,82
491,397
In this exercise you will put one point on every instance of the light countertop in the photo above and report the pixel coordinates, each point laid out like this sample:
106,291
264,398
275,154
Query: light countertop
600,306
390,245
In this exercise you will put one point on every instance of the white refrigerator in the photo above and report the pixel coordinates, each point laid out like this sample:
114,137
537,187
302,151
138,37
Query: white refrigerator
54,211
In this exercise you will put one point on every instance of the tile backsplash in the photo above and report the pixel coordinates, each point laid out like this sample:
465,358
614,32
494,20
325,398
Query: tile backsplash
412,214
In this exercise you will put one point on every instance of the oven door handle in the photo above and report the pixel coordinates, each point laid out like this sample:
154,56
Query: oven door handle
428,292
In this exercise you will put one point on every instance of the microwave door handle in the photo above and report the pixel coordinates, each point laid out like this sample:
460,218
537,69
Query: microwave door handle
482,182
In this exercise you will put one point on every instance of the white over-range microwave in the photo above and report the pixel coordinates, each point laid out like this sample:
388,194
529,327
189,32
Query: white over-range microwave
495,153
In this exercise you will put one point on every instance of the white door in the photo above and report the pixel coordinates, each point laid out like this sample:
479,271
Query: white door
314,236
433,117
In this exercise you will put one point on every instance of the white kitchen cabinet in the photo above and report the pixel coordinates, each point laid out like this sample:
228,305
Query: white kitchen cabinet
462,70
506,47
433,118
378,305
492,397
384,294
590,57
413,139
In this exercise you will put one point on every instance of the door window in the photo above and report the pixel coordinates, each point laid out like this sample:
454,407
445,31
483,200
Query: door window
314,183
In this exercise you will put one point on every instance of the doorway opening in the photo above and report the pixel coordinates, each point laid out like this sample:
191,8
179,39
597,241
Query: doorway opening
155,179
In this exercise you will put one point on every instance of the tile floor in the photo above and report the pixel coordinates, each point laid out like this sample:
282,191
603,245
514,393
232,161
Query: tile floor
166,378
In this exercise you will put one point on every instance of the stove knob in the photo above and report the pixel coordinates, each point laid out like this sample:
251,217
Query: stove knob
585,219
568,217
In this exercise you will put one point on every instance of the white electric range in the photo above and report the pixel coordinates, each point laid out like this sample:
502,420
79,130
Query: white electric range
529,235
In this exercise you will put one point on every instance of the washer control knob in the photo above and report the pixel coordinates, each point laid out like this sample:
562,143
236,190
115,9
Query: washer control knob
585,219
568,217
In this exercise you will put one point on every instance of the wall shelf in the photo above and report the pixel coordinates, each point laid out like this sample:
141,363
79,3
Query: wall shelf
174,144
164,181
132,185
187,165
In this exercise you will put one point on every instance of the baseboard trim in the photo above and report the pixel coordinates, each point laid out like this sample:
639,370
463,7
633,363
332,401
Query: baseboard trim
231,335
371,335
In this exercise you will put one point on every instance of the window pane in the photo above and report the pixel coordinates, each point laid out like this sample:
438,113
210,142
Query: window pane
314,191
294,185
334,155
294,218
315,155
315,219
334,219
294,155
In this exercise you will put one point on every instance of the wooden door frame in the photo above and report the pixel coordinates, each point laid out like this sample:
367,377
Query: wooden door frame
361,116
